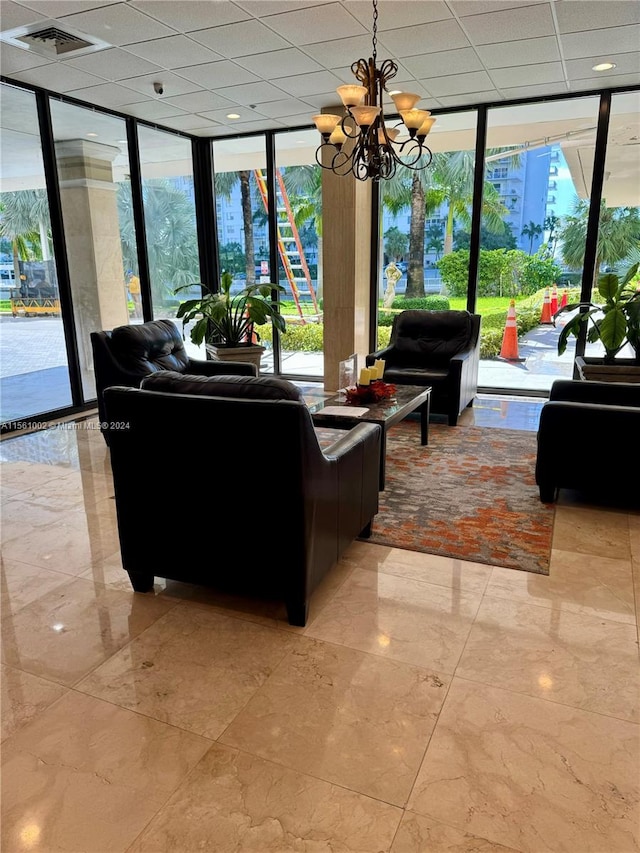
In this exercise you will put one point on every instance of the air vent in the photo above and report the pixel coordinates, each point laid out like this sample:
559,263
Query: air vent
56,41
46,39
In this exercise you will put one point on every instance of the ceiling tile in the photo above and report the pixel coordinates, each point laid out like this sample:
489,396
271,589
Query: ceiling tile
626,63
289,61
173,84
243,39
185,122
59,77
220,116
294,120
398,13
153,110
262,8
173,52
550,72
462,8
510,24
472,98
458,84
340,52
58,8
520,52
199,102
113,64
15,59
108,95
410,41
535,91
443,62
578,15
322,100
290,106
596,82
14,15
117,24
307,84
215,75
250,126
613,40
252,93
193,15
315,24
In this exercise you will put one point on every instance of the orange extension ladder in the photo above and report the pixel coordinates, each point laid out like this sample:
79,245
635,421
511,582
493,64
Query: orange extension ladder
289,245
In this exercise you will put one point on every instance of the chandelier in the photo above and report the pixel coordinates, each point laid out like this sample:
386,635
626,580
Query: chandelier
375,151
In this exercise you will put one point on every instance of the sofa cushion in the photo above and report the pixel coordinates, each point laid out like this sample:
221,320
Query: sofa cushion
245,387
431,337
148,347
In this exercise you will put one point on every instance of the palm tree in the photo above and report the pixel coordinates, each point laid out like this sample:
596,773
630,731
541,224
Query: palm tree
435,239
224,183
531,231
551,224
395,242
25,223
304,188
618,235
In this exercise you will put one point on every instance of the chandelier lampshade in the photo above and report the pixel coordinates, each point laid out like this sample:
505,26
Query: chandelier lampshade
375,151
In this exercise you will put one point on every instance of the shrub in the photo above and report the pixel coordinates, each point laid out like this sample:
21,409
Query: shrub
384,334
490,342
434,302
385,318
297,338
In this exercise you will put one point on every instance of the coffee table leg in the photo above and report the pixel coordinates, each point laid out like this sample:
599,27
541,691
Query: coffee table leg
424,421
383,457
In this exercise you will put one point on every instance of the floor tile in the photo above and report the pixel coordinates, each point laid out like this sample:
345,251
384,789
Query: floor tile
236,802
344,716
69,631
24,696
418,834
604,533
399,618
577,583
530,774
577,660
193,669
22,584
430,568
88,776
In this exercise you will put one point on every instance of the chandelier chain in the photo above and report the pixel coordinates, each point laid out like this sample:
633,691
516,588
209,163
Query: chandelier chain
375,30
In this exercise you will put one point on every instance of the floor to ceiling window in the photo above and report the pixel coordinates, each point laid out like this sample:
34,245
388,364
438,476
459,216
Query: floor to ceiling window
34,375
299,229
426,223
95,193
538,168
166,167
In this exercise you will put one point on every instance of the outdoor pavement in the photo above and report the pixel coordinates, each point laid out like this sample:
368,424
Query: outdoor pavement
34,377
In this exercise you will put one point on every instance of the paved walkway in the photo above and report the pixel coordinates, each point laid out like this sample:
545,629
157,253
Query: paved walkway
34,378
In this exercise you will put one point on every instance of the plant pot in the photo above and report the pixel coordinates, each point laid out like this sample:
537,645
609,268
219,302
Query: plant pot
221,352
624,369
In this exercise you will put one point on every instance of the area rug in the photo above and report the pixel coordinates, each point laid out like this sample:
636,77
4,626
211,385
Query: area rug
469,494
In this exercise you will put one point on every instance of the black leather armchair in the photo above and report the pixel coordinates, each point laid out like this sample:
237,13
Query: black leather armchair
436,348
127,354
580,428
221,481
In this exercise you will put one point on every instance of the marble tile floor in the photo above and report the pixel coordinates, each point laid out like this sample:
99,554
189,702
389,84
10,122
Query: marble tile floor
429,705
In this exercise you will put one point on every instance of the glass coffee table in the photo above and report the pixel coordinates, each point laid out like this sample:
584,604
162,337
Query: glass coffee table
386,413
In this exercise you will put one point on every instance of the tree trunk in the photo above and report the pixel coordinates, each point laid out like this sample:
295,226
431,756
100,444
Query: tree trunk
247,220
448,234
16,267
415,272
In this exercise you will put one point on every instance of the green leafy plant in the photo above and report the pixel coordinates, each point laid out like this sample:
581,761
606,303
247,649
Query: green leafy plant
614,323
229,319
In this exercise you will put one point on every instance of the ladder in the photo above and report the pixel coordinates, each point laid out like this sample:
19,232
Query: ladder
289,245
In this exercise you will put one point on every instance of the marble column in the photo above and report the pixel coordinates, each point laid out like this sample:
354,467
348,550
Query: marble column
92,232
346,252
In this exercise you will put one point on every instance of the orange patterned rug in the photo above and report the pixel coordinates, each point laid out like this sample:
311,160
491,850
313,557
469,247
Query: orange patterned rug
469,494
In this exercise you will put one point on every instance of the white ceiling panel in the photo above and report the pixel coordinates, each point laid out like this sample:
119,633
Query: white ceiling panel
262,8
579,15
14,59
534,91
58,8
443,62
215,75
153,111
479,97
276,109
252,93
520,52
626,63
172,83
60,78
341,52
192,14
108,95
512,24
251,126
613,40
15,15
113,64
174,52
187,122
290,61
458,84
315,24
550,72
398,13
242,39
199,102
464,8
245,114
117,24
596,82
411,41
307,84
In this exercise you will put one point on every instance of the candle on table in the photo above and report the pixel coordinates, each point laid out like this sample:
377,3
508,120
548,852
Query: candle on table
365,376
379,365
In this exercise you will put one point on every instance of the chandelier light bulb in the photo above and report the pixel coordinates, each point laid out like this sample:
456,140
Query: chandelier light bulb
351,94
413,119
365,116
405,100
338,136
426,126
392,132
326,122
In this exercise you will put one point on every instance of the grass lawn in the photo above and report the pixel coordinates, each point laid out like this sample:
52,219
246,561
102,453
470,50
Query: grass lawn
485,304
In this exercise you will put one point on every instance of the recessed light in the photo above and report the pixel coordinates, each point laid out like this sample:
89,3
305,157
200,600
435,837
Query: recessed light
233,115
393,92
603,66
92,134
121,141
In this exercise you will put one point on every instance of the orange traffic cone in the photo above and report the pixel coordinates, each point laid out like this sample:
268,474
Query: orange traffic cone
564,299
545,316
509,349
554,300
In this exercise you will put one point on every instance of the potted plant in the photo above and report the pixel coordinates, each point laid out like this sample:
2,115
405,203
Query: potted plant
225,321
615,323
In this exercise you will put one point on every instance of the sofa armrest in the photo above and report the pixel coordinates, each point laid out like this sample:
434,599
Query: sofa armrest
382,353
597,393
199,367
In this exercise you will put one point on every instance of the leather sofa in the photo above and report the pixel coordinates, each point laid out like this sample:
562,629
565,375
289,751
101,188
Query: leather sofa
221,481
436,348
126,354
588,440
